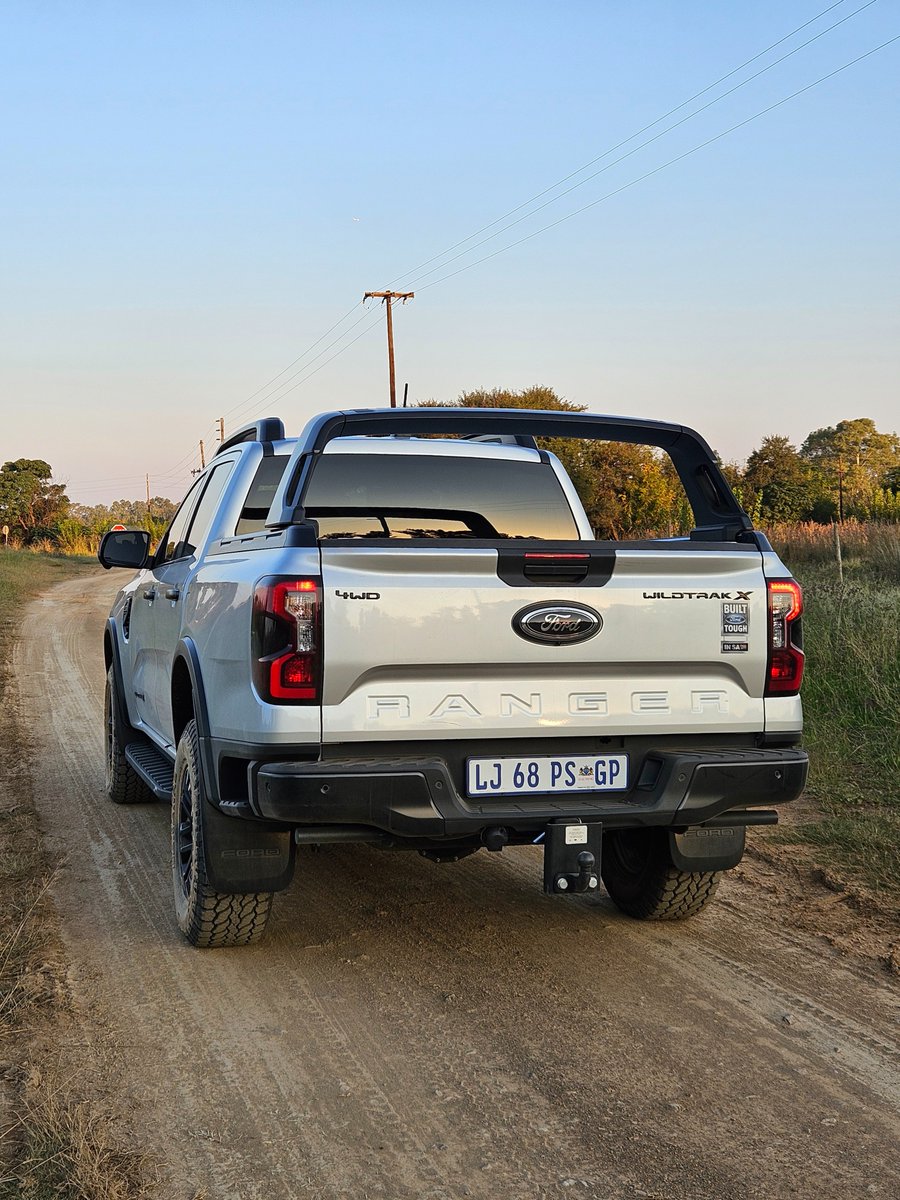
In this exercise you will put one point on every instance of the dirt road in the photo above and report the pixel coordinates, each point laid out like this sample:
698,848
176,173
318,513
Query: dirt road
409,1030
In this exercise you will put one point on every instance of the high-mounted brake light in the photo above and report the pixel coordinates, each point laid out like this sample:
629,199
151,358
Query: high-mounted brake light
784,671
286,640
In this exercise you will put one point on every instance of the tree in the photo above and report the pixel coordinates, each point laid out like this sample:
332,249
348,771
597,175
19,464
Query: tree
537,397
626,489
786,487
856,460
29,502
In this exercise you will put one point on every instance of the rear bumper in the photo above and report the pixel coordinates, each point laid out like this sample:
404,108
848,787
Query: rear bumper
406,799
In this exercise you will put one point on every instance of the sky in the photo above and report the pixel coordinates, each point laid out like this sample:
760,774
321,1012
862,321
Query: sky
193,194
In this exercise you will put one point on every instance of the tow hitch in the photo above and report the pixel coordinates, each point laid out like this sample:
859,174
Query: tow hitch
572,856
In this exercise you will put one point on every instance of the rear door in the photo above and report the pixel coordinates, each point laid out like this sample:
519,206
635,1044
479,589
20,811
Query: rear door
149,599
163,596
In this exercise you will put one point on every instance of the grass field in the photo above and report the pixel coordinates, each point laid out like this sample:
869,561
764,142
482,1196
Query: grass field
851,695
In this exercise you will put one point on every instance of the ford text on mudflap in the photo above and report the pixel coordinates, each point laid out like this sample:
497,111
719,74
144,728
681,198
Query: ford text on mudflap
400,629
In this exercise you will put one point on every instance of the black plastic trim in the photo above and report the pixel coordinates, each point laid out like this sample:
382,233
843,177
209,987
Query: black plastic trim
512,565
268,429
716,510
408,798
125,730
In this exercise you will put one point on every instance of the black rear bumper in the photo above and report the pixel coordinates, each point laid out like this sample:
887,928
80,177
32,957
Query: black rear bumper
420,800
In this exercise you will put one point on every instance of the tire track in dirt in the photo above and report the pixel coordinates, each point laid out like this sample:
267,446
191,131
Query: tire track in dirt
410,1030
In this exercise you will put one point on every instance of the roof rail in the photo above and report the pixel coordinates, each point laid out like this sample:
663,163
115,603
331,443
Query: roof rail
268,429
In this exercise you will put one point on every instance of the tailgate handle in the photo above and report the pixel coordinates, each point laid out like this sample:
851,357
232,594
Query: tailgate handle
534,568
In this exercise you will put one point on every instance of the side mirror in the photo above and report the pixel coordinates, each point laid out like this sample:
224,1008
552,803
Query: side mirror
125,548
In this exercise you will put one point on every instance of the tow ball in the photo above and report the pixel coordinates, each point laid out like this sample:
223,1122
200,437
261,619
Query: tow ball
572,856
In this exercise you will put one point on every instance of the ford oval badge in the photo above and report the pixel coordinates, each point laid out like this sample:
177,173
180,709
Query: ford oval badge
557,624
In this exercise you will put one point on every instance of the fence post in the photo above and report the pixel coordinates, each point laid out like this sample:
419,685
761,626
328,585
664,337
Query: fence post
837,552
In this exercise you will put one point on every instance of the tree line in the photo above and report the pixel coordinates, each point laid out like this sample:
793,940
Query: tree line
847,471
36,510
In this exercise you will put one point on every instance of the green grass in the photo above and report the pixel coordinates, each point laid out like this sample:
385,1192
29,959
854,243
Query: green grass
851,700
23,574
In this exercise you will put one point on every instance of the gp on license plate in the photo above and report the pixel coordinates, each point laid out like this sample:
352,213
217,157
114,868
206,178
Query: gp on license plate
541,773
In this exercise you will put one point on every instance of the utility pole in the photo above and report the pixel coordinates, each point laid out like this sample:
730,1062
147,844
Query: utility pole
147,481
221,429
202,458
388,298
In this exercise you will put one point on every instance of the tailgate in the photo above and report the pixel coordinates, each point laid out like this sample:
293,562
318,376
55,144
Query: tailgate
422,642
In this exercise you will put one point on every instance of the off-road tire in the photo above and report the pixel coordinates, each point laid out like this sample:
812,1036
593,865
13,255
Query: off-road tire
207,918
123,784
642,880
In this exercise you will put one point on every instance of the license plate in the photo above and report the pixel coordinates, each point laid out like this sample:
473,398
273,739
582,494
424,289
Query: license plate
543,773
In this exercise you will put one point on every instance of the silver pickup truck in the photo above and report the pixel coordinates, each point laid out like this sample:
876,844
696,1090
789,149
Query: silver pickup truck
400,629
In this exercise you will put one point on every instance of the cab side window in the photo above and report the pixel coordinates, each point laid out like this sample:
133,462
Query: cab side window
174,536
206,509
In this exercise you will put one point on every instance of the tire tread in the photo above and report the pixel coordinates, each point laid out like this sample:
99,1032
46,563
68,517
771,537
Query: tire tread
208,918
659,891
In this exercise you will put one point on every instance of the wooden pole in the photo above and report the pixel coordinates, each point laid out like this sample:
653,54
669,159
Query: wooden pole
388,297
837,554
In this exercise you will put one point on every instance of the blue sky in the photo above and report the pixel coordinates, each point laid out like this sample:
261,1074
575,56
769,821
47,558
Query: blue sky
193,193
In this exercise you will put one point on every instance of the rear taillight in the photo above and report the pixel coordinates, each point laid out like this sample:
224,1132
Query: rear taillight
784,671
286,640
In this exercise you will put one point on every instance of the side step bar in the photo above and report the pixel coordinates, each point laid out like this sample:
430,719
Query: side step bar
156,770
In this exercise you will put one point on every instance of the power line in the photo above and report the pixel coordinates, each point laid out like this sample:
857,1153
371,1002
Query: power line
369,329
289,384
663,166
282,388
635,149
624,142
253,395
278,391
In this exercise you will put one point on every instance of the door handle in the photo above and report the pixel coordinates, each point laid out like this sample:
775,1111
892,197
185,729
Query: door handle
150,593
172,593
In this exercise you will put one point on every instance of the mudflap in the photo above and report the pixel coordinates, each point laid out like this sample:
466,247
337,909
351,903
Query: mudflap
707,849
572,850
245,856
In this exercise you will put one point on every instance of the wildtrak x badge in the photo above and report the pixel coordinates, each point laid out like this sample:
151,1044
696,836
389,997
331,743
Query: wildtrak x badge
698,595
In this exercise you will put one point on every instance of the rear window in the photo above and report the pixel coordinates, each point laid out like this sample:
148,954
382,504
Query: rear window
425,496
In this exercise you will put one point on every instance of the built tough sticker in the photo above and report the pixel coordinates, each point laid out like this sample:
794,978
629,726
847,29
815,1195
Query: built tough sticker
735,620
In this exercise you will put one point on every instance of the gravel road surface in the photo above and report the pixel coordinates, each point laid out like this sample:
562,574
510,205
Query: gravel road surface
409,1030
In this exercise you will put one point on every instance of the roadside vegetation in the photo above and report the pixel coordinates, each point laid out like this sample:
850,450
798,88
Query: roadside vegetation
851,695
53,1143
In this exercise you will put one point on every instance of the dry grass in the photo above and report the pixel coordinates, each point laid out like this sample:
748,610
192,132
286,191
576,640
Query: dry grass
63,1151
851,695
53,1143
867,548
